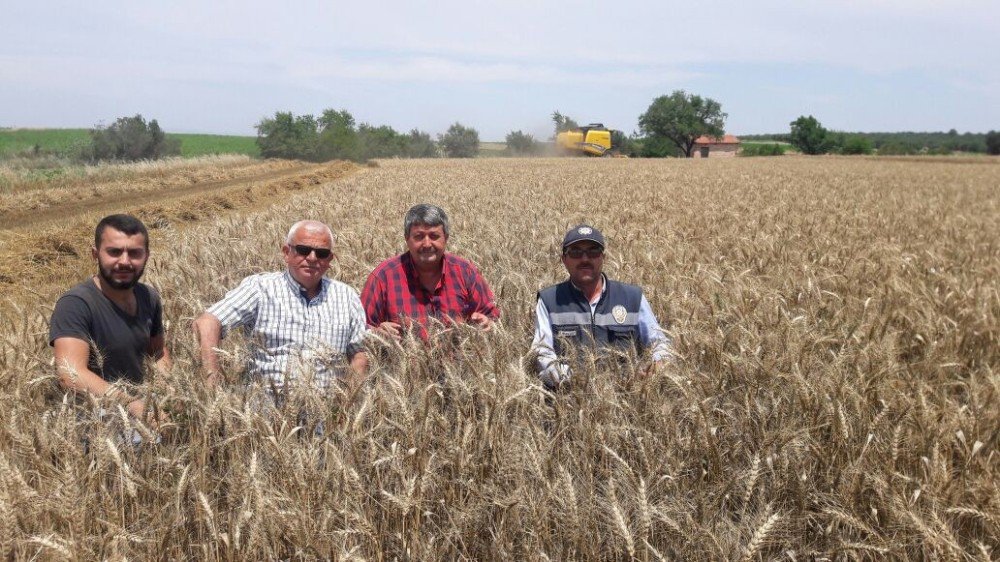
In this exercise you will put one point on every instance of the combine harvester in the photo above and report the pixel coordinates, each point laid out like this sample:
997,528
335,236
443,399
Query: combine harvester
590,140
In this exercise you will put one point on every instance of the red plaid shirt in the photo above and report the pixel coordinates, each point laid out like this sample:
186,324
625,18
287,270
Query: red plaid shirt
393,293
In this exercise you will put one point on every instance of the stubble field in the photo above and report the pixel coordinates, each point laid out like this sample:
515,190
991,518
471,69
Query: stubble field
835,395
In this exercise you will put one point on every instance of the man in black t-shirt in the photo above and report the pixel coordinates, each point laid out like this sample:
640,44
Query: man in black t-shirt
103,329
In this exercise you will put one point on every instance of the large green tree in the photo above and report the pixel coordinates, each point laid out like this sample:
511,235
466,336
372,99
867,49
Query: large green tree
681,118
289,136
809,136
338,138
130,138
460,141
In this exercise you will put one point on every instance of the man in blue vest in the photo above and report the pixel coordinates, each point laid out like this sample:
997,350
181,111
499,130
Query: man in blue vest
590,311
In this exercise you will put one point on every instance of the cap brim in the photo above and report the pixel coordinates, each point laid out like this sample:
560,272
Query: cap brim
583,239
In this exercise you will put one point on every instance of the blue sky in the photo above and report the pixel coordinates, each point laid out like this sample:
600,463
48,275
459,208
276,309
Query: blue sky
219,67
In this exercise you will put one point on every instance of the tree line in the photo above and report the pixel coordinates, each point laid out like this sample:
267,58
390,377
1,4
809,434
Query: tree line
809,136
334,135
669,127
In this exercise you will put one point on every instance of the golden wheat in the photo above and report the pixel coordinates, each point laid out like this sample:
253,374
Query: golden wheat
835,393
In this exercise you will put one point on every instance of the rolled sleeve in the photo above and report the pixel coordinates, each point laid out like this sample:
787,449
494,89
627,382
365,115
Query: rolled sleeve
551,370
652,335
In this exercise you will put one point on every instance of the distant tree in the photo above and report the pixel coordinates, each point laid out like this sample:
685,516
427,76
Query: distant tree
562,122
460,141
129,139
420,145
657,147
288,136
338,138
681,118
521,143
380,142
857,144
993,142
809,136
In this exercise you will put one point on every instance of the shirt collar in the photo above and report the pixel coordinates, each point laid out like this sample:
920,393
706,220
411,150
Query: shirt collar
301,291
411,270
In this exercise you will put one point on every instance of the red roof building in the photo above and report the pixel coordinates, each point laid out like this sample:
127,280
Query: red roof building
715,147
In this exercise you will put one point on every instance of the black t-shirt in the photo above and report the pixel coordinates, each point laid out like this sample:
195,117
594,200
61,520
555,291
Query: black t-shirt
118,342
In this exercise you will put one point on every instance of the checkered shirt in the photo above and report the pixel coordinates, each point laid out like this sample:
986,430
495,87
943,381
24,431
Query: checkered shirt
393,293
292,334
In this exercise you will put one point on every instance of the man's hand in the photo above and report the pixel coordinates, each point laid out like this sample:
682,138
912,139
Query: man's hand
480,320
137,408
390,329
654,368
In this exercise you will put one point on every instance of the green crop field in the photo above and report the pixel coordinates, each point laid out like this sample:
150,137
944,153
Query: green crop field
15,141
68,141
198,145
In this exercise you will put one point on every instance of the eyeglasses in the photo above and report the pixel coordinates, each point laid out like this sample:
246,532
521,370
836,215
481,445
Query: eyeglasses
577,253
304,251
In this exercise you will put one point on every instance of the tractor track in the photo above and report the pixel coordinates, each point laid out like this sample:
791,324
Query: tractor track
23,220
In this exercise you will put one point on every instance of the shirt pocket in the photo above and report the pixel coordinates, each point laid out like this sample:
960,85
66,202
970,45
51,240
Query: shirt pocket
623,335
278,330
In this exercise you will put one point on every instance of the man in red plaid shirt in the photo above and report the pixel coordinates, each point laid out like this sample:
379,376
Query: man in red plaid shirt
407,291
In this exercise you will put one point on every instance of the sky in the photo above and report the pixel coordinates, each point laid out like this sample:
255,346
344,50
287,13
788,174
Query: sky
221,66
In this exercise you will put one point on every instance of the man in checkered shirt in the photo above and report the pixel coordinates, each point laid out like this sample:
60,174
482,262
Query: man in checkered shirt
302,324
425,283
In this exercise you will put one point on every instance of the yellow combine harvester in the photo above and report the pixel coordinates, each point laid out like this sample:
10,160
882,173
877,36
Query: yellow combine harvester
590,140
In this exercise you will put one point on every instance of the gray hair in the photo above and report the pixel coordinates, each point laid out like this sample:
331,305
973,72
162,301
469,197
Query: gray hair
315,226
426,214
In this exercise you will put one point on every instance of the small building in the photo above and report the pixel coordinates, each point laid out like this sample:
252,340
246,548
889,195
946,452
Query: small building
715,147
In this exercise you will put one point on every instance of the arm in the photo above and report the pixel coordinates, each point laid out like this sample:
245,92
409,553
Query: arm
158,351
373,296
652,335
208,330
485,309
359,363
237,309
71,358
552,371
157,340
355,349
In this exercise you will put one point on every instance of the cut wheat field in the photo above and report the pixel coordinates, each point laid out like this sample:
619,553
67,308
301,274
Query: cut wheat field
836,392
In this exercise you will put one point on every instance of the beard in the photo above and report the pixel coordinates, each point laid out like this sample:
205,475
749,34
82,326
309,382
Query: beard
108,276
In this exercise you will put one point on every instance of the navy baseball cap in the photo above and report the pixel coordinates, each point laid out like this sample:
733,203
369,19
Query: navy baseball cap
583,232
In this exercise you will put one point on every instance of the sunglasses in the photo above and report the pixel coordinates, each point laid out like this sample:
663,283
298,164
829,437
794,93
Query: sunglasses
577,253
304,251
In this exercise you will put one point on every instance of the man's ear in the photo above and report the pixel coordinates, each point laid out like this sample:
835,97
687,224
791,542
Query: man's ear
93,252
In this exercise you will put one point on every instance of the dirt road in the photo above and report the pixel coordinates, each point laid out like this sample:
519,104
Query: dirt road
39,247
289,178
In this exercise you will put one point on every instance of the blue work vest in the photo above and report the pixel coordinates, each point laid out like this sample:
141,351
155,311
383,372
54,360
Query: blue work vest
614,322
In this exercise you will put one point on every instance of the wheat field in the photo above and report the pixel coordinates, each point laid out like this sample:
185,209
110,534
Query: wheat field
835,395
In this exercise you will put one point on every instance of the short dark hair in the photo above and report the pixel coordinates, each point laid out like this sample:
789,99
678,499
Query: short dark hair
122,223
426,214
